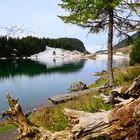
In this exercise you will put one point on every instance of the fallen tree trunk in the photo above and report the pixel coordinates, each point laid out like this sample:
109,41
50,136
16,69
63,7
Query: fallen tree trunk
134,89
119,123
26,129
71,96
123,122
123,92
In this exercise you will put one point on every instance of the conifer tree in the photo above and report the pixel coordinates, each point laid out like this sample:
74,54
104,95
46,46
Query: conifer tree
135,52
114,16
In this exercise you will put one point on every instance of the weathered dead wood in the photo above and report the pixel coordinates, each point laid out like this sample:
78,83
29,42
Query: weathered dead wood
26,129
134,89
70,96
123,122
123,92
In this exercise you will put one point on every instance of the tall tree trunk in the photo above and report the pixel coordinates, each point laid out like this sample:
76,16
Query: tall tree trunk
110,52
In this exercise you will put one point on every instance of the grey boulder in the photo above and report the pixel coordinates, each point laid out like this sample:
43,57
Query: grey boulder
77,86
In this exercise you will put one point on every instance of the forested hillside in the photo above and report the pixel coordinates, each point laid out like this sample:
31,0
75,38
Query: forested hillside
122,44
16,47
126,42
66,43
135,52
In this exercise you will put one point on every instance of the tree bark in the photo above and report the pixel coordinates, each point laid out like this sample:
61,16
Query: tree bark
26,129
110,52
117,95
120,123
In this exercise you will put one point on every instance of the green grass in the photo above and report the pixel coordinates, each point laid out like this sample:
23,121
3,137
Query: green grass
53,119
50,118
4,127
101,81
125,76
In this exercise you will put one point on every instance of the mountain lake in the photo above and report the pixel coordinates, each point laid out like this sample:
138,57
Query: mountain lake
33,82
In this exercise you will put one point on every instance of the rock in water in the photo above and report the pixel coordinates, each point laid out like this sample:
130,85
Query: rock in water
77,86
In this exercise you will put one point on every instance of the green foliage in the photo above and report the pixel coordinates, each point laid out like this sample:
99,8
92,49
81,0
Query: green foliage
126,75
100,82
15,47
4,127
100,138
94,14
95,104
52,118
135,53
85,13
66,43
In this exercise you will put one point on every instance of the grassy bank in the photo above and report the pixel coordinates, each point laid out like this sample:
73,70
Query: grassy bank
5,127
122,76
53,119
125,76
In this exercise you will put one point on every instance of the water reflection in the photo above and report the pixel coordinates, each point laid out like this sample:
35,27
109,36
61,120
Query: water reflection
11,68
33,82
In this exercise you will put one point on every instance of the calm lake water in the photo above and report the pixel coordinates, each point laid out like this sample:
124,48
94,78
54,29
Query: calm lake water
33,82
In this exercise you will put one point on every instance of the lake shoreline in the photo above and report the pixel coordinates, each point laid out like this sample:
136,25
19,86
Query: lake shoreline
100,56
43,105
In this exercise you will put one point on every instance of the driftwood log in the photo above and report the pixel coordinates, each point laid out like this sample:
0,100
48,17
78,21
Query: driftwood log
134,89
122,122
71,96
28,130
121,93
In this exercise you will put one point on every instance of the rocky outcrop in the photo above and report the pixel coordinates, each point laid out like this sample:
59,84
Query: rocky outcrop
77,86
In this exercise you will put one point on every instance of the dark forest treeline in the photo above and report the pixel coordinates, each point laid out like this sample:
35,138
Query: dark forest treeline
11,68
66,43
16,47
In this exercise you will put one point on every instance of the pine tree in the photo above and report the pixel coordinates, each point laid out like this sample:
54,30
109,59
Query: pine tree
135,52
115,16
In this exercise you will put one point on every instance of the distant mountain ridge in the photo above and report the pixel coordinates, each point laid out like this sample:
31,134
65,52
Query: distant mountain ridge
125,42
121,44
16,31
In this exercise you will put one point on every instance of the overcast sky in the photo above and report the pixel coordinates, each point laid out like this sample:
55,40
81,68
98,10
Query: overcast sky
40,16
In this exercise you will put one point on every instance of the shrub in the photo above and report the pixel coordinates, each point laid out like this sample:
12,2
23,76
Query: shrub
126,75
135,53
